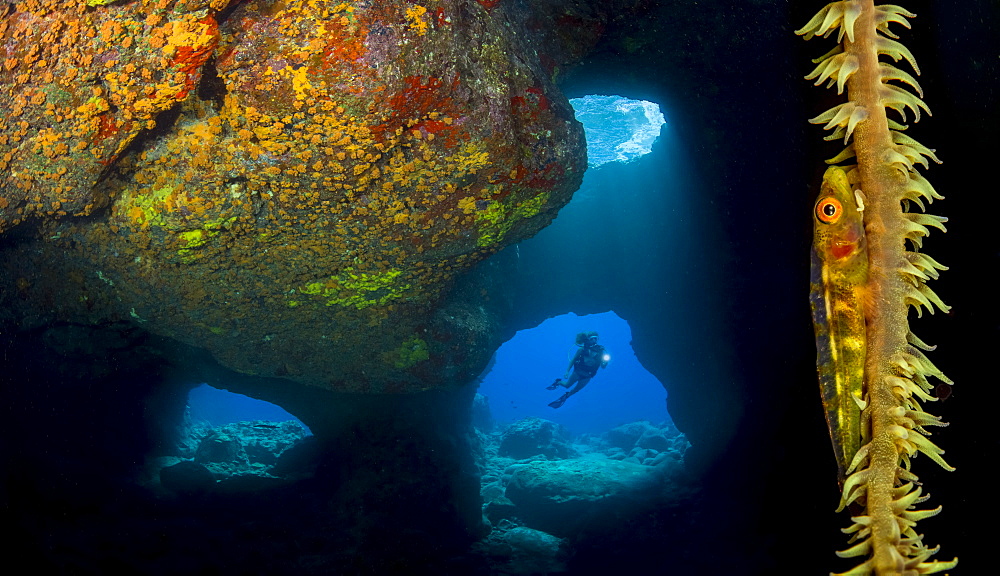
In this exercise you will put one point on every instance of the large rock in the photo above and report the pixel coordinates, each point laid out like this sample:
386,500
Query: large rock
626,435
222,448
291,186
533,551
564,497
187,477
535,437
263,441
517,550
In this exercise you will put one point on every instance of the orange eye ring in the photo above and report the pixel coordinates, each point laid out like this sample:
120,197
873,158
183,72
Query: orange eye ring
828,210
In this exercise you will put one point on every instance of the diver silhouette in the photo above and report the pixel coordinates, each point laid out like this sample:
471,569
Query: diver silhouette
585,363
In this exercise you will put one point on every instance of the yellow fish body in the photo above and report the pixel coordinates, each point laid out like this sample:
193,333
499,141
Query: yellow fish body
838,277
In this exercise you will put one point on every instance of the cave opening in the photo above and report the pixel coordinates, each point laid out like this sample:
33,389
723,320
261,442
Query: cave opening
618,129
217,407
621,393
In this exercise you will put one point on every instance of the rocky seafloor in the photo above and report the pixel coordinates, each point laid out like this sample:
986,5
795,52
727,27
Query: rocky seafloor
543,489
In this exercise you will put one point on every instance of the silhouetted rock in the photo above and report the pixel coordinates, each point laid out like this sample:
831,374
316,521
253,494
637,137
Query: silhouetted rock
626,435
516,549
565,496
482,418
187,477
298,459
656,440
535,436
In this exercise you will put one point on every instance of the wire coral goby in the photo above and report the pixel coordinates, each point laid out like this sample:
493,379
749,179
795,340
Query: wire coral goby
883,160
837,285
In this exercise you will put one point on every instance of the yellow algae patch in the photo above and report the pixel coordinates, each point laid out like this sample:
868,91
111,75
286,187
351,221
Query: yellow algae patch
498,218
532,206
193,238
412,351
148,208
359,290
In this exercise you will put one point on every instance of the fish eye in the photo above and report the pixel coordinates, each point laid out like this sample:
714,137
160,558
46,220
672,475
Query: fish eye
828,210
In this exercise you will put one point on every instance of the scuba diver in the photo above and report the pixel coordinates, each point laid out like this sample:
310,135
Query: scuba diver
588,359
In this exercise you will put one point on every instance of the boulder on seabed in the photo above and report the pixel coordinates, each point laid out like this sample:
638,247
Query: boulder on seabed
237,457
655,439
533,551
220,447
496,505
516,550
563,497
534,436
187,477
626,435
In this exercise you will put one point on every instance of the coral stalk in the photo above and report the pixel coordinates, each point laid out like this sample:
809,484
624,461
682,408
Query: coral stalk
896,370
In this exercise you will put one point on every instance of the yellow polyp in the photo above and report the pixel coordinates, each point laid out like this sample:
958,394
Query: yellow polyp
299,79
415,19
467,205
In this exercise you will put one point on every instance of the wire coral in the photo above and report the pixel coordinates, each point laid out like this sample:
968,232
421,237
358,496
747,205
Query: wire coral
881,162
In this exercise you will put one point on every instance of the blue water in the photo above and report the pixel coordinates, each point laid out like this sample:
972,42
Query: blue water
219,407
618,129
532,359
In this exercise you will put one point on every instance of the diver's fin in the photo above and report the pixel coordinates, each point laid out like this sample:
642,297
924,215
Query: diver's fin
560,401
554,385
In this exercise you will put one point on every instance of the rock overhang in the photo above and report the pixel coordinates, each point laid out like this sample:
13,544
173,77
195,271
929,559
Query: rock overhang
292,186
